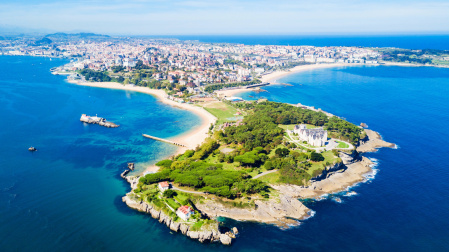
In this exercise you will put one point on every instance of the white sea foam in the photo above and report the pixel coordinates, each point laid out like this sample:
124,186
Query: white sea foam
322,197
396,146
311,213
350,193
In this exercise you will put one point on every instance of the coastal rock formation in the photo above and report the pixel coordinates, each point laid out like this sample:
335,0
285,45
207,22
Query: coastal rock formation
372,142
184,228
202,236
336,182
278,211
174,226
225,239
329,170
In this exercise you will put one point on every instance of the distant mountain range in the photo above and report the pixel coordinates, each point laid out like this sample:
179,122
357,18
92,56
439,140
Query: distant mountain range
43,41
81,35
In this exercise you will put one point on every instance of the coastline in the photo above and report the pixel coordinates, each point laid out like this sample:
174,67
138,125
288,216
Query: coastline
191,138
356,167
289,209
274,76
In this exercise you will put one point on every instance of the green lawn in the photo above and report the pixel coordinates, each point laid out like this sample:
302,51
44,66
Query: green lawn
197,226
220,110
328,157
231,166
181,198
172,203
255,172
342,145
270,178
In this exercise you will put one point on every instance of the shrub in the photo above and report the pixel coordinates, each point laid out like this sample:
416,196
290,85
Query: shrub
316,157
169,193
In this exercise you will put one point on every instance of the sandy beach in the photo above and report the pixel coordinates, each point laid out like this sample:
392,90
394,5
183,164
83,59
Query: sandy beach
192,138
274,76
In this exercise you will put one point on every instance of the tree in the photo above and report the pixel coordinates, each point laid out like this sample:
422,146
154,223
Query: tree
316,157
268,165
282,152
169,193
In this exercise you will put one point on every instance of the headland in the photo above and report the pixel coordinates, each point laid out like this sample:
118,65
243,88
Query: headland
278,205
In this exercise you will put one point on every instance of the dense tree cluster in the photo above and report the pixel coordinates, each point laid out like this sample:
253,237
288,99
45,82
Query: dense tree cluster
342,129
257,142
117,69
92,75
212,87
206,177
412,56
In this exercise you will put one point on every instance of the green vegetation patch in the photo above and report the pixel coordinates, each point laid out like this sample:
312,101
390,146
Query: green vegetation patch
221,110
270,178
342,145
172,204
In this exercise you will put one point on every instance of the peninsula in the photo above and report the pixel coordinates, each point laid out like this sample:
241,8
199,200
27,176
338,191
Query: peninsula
254,169
248,160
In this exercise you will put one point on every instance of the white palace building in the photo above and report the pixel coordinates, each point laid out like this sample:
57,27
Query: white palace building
314,137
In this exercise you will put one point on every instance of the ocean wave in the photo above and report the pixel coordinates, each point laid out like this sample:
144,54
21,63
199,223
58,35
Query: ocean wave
322,197
8,188
396,147
347,192
371,175
311,213
350,193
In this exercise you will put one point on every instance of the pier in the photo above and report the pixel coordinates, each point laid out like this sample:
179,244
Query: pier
163,140
258,85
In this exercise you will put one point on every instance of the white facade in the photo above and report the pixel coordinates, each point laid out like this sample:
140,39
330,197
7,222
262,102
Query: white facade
314,137
185,212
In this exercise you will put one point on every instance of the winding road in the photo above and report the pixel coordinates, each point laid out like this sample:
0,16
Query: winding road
264,173
181,190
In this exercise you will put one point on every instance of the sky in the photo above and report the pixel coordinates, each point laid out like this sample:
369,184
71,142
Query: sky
223,17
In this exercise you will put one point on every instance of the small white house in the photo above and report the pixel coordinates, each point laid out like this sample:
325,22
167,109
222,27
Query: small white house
163,186
185,212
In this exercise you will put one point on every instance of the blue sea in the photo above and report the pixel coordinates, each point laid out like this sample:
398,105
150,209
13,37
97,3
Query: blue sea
422,41
67,195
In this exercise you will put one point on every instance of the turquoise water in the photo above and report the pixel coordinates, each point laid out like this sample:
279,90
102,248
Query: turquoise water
67,195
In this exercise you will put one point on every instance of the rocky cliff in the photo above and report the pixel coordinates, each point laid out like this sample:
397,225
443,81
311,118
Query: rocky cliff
337,181
283,210
202,236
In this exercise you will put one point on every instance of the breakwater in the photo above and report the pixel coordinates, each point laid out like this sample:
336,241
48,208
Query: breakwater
163,140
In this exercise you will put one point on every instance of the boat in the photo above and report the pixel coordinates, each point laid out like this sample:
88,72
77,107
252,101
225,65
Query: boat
32,149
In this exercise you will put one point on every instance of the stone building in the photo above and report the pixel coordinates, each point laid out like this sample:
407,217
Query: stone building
314,137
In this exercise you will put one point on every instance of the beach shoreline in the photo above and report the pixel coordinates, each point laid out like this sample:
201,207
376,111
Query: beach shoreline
191,138
274,76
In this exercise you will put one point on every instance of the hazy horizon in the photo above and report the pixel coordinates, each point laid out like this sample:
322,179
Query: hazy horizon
249,17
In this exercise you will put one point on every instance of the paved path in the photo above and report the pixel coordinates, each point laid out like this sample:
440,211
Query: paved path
264,173
181,190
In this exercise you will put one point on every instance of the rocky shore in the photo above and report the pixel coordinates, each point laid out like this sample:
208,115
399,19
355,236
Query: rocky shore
372,142
280,211
212,235
337,178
